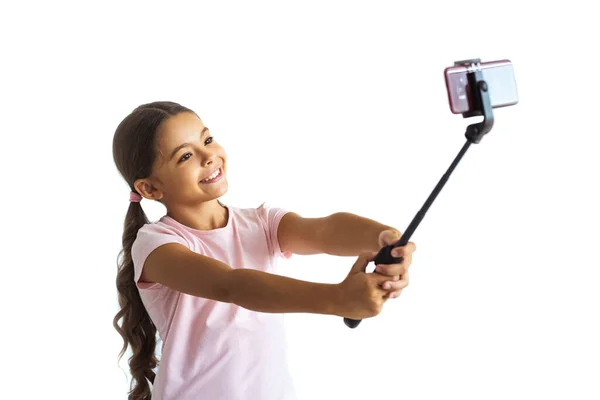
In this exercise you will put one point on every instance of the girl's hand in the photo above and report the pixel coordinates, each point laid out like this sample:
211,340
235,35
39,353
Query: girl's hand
360,295
398,273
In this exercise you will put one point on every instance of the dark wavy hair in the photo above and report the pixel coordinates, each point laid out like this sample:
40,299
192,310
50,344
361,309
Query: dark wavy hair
134,152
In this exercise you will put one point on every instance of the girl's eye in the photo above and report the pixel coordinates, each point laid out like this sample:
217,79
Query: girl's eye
183,157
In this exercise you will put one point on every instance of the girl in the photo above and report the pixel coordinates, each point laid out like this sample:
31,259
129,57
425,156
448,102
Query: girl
203,275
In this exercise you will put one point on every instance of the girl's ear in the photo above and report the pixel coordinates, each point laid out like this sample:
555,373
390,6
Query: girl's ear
148,190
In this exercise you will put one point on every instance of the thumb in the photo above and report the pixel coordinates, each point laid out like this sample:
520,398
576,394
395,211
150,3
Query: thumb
388,237
363,260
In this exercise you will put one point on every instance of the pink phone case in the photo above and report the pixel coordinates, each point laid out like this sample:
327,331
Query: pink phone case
499,76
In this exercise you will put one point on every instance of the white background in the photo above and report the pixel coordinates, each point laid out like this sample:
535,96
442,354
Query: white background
322,107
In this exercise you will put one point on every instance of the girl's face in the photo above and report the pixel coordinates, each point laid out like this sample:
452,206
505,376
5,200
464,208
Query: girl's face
188,154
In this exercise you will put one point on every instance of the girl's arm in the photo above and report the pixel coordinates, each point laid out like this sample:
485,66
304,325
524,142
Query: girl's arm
339,234
177,267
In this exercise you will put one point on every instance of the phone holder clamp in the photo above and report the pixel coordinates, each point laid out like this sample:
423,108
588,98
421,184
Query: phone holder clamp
480,101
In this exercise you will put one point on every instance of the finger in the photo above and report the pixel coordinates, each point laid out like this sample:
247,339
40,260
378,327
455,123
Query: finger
390,282
388,237
390,269
405,250
394,295
405,262
377,283
363,260
383,293
396,285
406,258
401,252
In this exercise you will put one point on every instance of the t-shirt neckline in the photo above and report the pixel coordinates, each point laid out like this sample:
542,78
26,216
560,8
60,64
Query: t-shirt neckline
172,221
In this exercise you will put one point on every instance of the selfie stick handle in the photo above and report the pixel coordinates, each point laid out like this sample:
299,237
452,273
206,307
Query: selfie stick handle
481,105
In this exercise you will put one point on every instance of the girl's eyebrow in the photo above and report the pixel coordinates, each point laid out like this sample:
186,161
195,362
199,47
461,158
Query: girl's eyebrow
182,145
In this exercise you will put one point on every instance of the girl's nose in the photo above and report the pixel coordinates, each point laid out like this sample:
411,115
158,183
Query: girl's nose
208,158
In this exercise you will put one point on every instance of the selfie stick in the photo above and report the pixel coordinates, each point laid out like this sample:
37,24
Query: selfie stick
480,105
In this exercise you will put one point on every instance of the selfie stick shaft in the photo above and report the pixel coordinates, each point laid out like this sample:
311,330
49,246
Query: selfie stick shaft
480,106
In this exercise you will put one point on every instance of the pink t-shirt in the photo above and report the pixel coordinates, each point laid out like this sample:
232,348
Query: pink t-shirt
213,350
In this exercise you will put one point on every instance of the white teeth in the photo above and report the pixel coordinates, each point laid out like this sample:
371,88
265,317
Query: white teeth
213,176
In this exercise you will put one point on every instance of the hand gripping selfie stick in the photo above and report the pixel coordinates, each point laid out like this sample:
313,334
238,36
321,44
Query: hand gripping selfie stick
480,105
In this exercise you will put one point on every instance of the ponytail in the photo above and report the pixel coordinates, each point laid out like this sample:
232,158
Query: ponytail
137,329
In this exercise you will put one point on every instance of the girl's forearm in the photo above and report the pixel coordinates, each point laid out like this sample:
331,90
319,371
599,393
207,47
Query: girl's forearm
265,292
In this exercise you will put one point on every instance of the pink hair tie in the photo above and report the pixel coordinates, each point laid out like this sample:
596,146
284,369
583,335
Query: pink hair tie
134,197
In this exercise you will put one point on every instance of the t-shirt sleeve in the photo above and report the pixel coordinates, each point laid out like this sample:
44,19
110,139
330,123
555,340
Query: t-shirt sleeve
271,216
150,237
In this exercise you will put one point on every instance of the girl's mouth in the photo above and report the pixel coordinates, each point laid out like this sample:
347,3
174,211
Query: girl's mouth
214,178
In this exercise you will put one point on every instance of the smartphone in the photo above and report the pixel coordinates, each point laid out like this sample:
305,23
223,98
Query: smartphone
499,76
